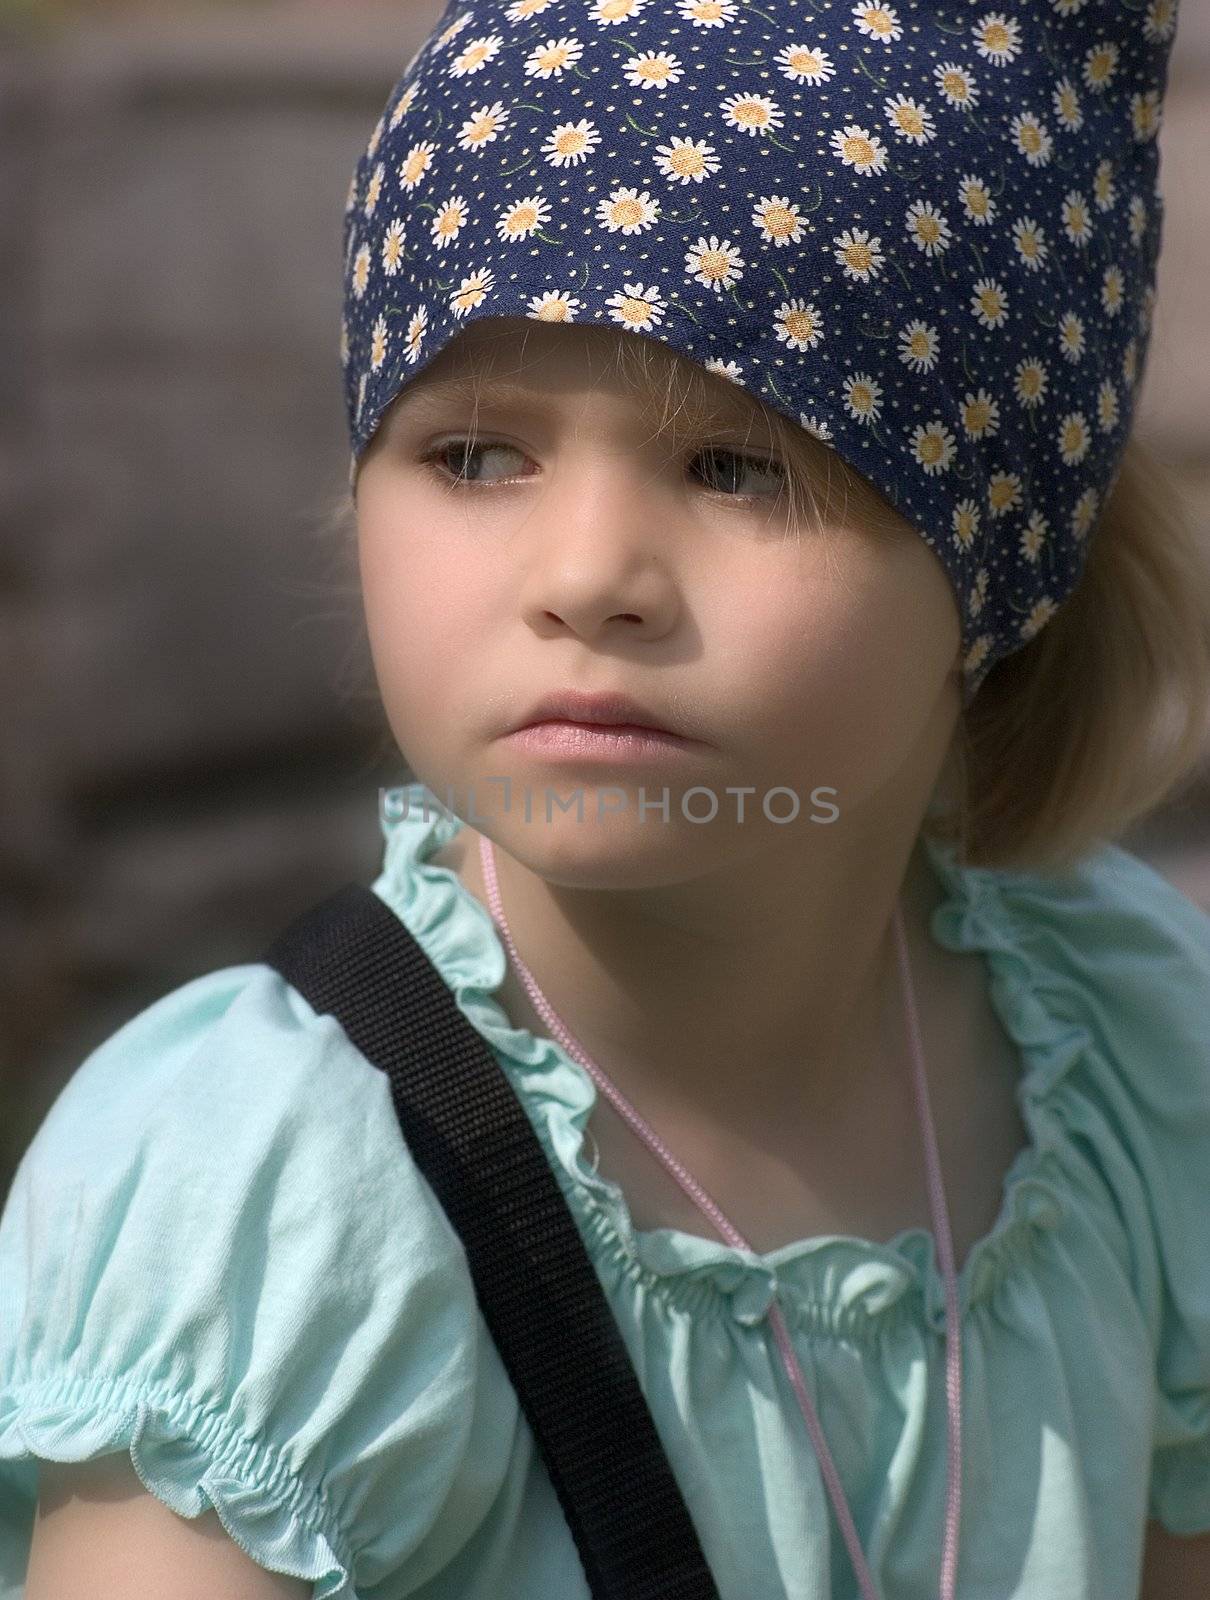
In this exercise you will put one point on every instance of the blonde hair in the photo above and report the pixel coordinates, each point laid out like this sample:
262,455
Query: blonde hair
1080,733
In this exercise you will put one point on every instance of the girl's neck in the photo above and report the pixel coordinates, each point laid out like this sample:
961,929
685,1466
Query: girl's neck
669,1028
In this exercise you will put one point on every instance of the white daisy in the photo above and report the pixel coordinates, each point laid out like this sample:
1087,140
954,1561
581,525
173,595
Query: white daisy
1065,98
571,143
417,328
909,119
933,446
862,396
1038,617
392,248
1071,336
627,211
1113,289
964,523
1074,438
1033,536
1103,192
609,12
1138,218
956,84
361,271
1032,138
636,307
655,70
1146,114
803,63
416,163
476,55
731,370
523,217
553,59
928,228
1030,243
1085,513
1003,493
1100,64
1077,224
989,303
378,344
919,345
716,264
707,13
815,426
449,221
976,200
1159,21
798,323
777,217
522,10
980,414
1107,406
878,21
977,654
997,37
858,254
454,29
472,291
552,305
482,126
687,160
752,113
859,149
406,101
1030,381
373,189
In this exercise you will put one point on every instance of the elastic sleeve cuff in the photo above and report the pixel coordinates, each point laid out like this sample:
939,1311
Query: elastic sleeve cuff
189,1458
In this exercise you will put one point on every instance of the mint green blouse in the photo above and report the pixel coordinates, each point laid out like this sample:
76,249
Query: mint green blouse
218,1256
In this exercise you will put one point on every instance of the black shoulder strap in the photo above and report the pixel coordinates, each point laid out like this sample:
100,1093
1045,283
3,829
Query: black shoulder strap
351,955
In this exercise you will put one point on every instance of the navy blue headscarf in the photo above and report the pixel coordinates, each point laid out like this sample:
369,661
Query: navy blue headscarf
925,232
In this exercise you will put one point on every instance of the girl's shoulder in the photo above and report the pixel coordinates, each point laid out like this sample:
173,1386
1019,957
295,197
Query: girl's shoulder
218,1255
1101,975
1109,941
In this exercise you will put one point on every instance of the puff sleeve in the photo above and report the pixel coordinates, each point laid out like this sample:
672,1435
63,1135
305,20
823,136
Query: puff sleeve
218,1255
1173,960
1135,955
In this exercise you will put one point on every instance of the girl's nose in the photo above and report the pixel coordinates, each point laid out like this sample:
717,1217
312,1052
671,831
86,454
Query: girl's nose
599,560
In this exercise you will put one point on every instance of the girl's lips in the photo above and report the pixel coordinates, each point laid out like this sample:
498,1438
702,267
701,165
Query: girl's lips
599,741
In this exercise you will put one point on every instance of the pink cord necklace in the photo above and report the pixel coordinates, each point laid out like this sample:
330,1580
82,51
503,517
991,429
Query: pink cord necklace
953,1354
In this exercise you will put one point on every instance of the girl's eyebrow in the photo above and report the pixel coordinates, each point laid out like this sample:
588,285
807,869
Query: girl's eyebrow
462,387
502,393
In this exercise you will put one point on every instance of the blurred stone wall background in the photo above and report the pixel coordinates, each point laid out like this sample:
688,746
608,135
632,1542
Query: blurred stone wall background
190,743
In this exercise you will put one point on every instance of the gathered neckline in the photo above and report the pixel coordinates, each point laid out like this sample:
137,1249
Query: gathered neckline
832,1284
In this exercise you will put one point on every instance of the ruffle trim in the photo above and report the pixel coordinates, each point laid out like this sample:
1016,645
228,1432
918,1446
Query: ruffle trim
834,1284
190,1458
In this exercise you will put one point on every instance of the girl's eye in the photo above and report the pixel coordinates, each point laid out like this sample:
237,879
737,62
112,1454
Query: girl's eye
729,467
459,463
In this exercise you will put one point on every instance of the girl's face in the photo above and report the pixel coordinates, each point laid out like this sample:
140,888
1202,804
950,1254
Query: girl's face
583,548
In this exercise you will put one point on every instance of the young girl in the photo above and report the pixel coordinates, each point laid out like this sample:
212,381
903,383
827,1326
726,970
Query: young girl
875,1075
